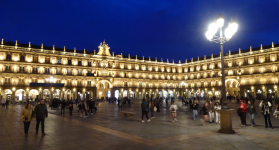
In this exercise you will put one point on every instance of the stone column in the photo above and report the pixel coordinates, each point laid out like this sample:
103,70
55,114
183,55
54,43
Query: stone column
226,121
13,96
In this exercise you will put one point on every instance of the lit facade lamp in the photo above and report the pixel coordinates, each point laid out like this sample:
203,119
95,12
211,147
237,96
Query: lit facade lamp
221,39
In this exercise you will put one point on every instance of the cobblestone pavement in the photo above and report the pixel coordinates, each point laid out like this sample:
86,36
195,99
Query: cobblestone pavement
108,129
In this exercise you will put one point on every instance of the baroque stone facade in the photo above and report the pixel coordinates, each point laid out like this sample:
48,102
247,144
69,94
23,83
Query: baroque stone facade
252,72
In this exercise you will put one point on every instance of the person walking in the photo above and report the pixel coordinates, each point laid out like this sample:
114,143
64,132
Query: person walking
26,117
41,113
71,107
266,108
195,107
158,105
211,112
251,111
144,109
205,110
91,106
83,107
243,109
63,106
173,109
3,102
217,114
152,109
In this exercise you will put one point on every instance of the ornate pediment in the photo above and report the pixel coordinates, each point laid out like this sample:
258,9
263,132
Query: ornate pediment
103,49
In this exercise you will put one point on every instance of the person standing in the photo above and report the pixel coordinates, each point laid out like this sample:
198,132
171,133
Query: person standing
205,110
158,105
243,108
211,112
91,106
26,117
7,103
144,109
152,109
63,106
217,114
173,109
83,107
195,107
251,111
3,102
71,107
41,113
266,110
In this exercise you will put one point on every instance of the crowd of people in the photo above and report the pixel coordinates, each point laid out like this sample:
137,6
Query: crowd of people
209,110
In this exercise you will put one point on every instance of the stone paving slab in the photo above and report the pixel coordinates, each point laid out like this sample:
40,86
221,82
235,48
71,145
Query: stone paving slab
108,129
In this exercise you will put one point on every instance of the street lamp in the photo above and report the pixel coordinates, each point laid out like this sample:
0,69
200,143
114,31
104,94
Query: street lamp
229,32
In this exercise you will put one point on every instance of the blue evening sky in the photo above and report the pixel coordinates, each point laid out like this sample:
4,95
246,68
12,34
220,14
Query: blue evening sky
173,29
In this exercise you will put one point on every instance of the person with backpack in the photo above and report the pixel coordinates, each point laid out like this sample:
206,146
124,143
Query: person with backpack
173,109
251,111
243,108
144,109
195,107
266,108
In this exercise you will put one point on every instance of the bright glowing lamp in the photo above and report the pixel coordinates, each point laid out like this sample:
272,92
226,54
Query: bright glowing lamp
233,26
220,21
209,35
228,33
213,27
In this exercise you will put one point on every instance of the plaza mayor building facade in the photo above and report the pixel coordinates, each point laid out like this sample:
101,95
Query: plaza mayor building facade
37,71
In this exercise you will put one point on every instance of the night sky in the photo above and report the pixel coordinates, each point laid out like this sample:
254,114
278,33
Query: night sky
173,29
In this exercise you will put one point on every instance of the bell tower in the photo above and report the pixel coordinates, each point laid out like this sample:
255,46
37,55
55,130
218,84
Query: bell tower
103,49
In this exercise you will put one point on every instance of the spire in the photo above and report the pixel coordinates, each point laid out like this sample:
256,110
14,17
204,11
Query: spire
64,48
94,52
229,52
142,57
104,42
186,61
2,42
84,51
272,45
204,57
129,56
155,59
29,44
198,58
211,56
16,43
173,61
261,46
53,48
136,57
42,47
179,61
250,48
149,58
192,59
75,50
112,53
239,51
161,59
167,60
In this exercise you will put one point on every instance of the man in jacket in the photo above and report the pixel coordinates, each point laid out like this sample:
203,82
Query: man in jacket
144,109
63,106
41,113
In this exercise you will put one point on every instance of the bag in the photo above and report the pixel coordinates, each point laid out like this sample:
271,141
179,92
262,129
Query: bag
239,111
155,109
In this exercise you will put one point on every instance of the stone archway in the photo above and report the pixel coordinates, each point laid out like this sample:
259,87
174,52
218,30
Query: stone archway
103,86
232,87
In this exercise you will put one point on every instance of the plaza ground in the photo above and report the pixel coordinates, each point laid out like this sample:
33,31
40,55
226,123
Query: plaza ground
108,129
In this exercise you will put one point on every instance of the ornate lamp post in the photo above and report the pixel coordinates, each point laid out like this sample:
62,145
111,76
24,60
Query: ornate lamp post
229,32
